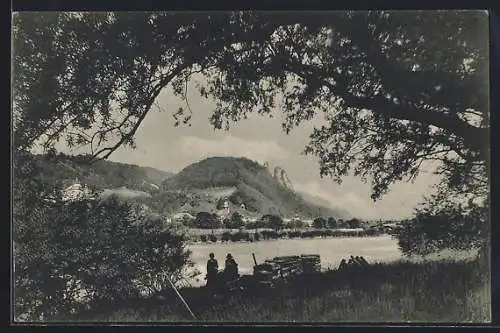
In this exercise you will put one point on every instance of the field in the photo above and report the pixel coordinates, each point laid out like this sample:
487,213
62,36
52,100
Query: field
432,291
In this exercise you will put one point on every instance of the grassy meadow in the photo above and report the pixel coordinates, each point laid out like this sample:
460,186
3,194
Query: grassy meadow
441,291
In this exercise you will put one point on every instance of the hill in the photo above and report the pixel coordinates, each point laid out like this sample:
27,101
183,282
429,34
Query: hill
101,174
249,188
242,182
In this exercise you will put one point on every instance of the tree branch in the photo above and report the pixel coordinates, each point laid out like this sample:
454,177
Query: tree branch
149,103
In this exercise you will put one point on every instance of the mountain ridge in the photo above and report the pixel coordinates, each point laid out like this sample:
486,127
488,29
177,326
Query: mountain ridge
257,187
247,186
102,174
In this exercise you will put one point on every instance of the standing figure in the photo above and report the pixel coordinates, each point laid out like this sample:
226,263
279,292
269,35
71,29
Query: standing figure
363,261
212,270
353,261
231,268
343,265
350,262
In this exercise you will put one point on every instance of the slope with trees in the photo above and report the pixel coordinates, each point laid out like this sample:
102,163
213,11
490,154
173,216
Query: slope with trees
254,186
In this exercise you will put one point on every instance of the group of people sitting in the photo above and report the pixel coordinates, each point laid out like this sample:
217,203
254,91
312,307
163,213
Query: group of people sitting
214,276
357,261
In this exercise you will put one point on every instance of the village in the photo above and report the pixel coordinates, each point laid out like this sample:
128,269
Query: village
226,215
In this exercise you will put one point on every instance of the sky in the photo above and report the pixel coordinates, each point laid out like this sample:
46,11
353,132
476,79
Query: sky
161,145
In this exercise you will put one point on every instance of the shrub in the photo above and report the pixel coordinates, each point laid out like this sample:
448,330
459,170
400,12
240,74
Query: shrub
353,223
107,248
205,220
272,221
226,236
305,234
319,223
449,226
212,238
235,237
240,235
297,224
256,236
269,234
332,223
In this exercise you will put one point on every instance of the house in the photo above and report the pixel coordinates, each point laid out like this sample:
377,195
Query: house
76,192
182,216
308,222
250,219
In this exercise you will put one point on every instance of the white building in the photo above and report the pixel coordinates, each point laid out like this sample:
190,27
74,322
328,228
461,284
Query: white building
308,222
182,216
76,192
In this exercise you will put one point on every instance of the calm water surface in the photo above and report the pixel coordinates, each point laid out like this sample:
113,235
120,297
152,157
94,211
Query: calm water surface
332,251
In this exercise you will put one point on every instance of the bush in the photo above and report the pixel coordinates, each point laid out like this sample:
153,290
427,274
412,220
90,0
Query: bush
332,223
203,238
239,236
212,238
319,223
269,234
353,223
306,234
256,236
297,224
235,222
272,221
107,248
205,220
444,225
226,236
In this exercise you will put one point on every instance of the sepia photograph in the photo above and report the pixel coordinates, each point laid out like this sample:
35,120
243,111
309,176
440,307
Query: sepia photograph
319,167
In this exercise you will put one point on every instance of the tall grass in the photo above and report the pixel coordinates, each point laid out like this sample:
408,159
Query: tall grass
443,291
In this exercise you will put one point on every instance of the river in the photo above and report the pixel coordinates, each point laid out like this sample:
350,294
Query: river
332,250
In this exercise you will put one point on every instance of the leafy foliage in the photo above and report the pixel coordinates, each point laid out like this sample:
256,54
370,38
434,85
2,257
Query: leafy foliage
67,254
236,221
205,220
441,224
353,223
397,89
332,223
319,223
100,174
272,221
297,224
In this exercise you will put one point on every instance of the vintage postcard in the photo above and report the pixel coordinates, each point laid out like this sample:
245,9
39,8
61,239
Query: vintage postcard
251,167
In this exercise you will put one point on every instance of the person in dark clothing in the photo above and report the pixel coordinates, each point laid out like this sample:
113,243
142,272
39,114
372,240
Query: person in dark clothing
231,268
363,261
212,270
353,262
342,265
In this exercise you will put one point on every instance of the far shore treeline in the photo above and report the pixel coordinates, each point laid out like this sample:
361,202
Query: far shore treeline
269,234
206,227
